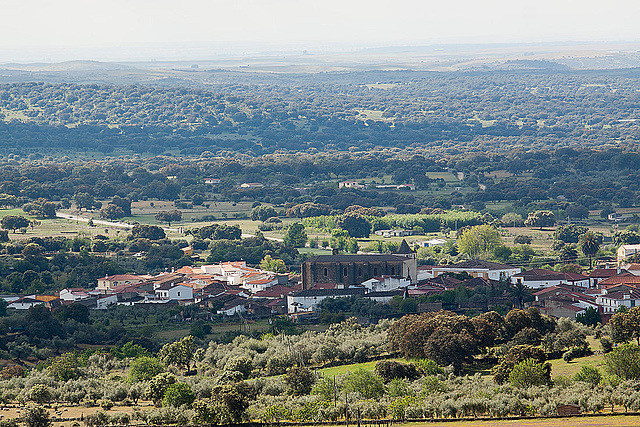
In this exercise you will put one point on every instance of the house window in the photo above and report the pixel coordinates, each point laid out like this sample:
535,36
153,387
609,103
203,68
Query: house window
393,271
326,272
375,271
359,271
178,293
345,271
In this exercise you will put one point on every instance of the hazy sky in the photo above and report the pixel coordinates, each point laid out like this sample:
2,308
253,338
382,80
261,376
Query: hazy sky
78,27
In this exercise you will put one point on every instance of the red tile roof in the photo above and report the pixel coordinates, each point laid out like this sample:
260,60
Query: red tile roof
603,273
626,278
275,292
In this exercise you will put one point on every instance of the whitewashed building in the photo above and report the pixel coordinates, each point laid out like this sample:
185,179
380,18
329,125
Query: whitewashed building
25,303
625,251
310,299
540,278
172,292
73,294
478,268
385,283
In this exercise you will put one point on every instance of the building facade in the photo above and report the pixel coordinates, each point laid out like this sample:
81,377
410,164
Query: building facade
350,270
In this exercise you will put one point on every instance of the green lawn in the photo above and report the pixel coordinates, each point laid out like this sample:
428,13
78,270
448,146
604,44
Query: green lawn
447,176
561,368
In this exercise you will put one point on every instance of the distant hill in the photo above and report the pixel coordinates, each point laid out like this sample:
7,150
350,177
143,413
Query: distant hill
188,110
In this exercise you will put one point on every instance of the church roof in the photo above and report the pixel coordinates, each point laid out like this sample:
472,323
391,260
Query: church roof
404,248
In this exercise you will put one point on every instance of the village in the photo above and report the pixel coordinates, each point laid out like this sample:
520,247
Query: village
236,290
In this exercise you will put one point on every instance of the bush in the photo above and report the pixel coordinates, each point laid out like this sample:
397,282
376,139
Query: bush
368,384
574,352
106,404
530,373
145,368
624,361
177,395
40,393
390,370
589,375
300,380
36,416
13,371
428,366
522,240
607,344
158,386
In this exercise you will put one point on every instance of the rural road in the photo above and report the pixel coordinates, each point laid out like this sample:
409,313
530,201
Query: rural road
102,222
95,221
129,226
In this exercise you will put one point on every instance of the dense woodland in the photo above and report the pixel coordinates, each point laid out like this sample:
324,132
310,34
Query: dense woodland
438,112
589,178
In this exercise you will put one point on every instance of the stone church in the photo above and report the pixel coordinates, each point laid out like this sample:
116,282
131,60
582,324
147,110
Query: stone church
347,270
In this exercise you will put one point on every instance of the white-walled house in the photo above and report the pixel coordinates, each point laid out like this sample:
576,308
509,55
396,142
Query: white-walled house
612,301
172,292
430,243
478,268
73,294
625,251
259,282
25,303
385,283
104,302
233,307
540,278
308,300
108,282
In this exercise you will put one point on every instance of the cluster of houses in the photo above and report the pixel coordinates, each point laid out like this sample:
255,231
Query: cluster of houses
229,288
234,289
356,184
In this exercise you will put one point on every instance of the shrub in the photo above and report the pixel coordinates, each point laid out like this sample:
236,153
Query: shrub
428,366
589,375
300,380
158,386
574,352
65,367
12,371
368,384
624,361
607,344
145,368
241,364
177,395
40,393
391,369
398,388
522,240
530,373
36,416
106,404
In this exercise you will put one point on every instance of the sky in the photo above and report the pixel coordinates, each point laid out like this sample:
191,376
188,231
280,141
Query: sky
96,29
